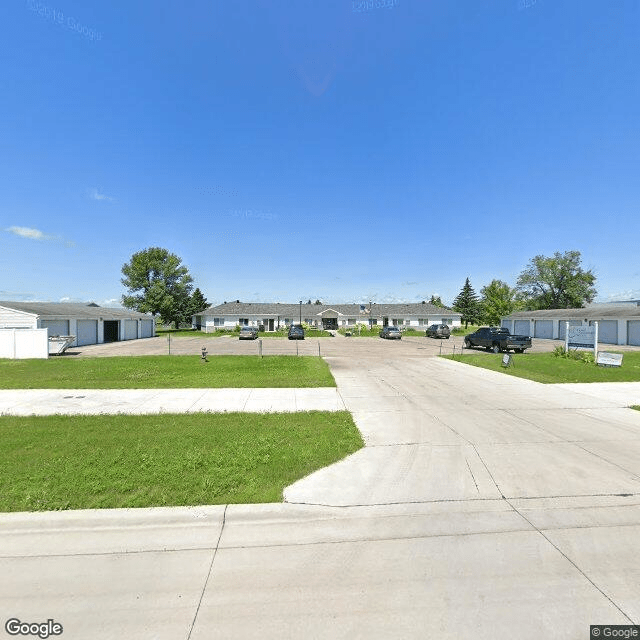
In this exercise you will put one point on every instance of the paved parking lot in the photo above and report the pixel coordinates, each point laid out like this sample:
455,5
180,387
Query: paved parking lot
483,506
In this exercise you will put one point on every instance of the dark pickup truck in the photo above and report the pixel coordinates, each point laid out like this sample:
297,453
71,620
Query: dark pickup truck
497,339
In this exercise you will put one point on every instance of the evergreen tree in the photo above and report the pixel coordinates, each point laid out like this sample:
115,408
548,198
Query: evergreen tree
468,305
198,302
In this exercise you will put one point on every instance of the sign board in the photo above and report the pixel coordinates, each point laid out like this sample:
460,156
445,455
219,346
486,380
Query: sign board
609,359
582,337
506,360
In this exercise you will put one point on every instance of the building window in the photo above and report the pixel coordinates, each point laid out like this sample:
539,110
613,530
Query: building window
423,321
447,320
243,322
287,321
374,321
397,322
351,321
218,322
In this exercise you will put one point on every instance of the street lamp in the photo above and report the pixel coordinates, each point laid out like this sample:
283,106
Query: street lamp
300,312
370,311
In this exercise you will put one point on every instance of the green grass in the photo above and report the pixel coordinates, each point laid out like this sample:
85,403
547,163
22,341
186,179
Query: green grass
545,367
164,372
99,462
364,333
194,333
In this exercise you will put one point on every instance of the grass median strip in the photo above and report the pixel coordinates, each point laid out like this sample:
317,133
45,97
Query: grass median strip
99,462
545,367
165,372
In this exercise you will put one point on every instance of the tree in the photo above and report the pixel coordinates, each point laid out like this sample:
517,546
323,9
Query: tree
198,302
437,302
467,304
157,283
498,300
556,282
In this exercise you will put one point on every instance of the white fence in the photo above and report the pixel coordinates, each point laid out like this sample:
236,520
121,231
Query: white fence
17,344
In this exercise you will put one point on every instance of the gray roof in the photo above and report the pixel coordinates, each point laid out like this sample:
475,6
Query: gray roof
71,310
285,310
591,313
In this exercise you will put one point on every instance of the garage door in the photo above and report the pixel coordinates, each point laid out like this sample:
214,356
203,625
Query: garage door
543,329
130,329
506,324
87,332
633,332
521,327
562,329
56,327
147,329
608,331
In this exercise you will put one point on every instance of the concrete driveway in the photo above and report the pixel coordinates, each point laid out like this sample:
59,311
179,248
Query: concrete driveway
482,506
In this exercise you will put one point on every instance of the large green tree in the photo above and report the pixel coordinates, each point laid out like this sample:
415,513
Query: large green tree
556,282
468,305
437,302
158,283
498,300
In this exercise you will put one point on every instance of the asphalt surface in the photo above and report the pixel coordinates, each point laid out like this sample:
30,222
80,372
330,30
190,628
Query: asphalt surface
482,506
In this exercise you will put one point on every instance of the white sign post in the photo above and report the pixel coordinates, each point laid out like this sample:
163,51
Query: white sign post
582,338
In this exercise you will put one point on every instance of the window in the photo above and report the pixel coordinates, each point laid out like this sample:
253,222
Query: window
351,322
287,321
397,322
447,320
243,322
374,321
218,322
423,321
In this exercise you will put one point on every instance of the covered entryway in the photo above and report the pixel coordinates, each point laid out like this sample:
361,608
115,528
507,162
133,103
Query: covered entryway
56,327
87,332
633,332
111,330
607,331
521,327
330,323
543,329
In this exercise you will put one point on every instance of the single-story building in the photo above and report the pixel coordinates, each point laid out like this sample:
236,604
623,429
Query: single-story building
90,323
617,323
322,316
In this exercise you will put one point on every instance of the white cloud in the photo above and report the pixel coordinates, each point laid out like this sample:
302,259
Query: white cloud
94,194
27,232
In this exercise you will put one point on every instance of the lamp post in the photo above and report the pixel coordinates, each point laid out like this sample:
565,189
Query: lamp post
370,312
300,312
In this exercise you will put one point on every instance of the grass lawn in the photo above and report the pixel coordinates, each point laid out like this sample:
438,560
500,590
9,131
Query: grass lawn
100,462
545,367
165,372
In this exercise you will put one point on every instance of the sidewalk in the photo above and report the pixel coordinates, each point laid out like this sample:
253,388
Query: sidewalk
24,402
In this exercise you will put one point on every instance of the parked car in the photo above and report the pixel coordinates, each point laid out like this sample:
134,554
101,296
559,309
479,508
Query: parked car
248,333
438,331
391,333
497,339
296,332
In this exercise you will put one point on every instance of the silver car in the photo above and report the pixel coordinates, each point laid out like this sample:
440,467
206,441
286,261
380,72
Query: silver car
248,333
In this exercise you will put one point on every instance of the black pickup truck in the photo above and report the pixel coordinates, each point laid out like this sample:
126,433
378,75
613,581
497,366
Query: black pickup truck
497,339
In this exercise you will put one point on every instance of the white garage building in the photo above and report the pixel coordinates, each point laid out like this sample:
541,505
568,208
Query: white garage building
617,323
90,323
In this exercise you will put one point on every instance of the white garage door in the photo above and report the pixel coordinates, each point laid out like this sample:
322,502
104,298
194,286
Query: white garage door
147,329
608,331
562,329
543,329
633,332
56,327
87,332
130,329
521,327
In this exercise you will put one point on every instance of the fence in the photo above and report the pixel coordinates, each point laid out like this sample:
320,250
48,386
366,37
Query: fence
18,344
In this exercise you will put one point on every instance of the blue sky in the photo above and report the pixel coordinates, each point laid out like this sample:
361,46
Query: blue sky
307,149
